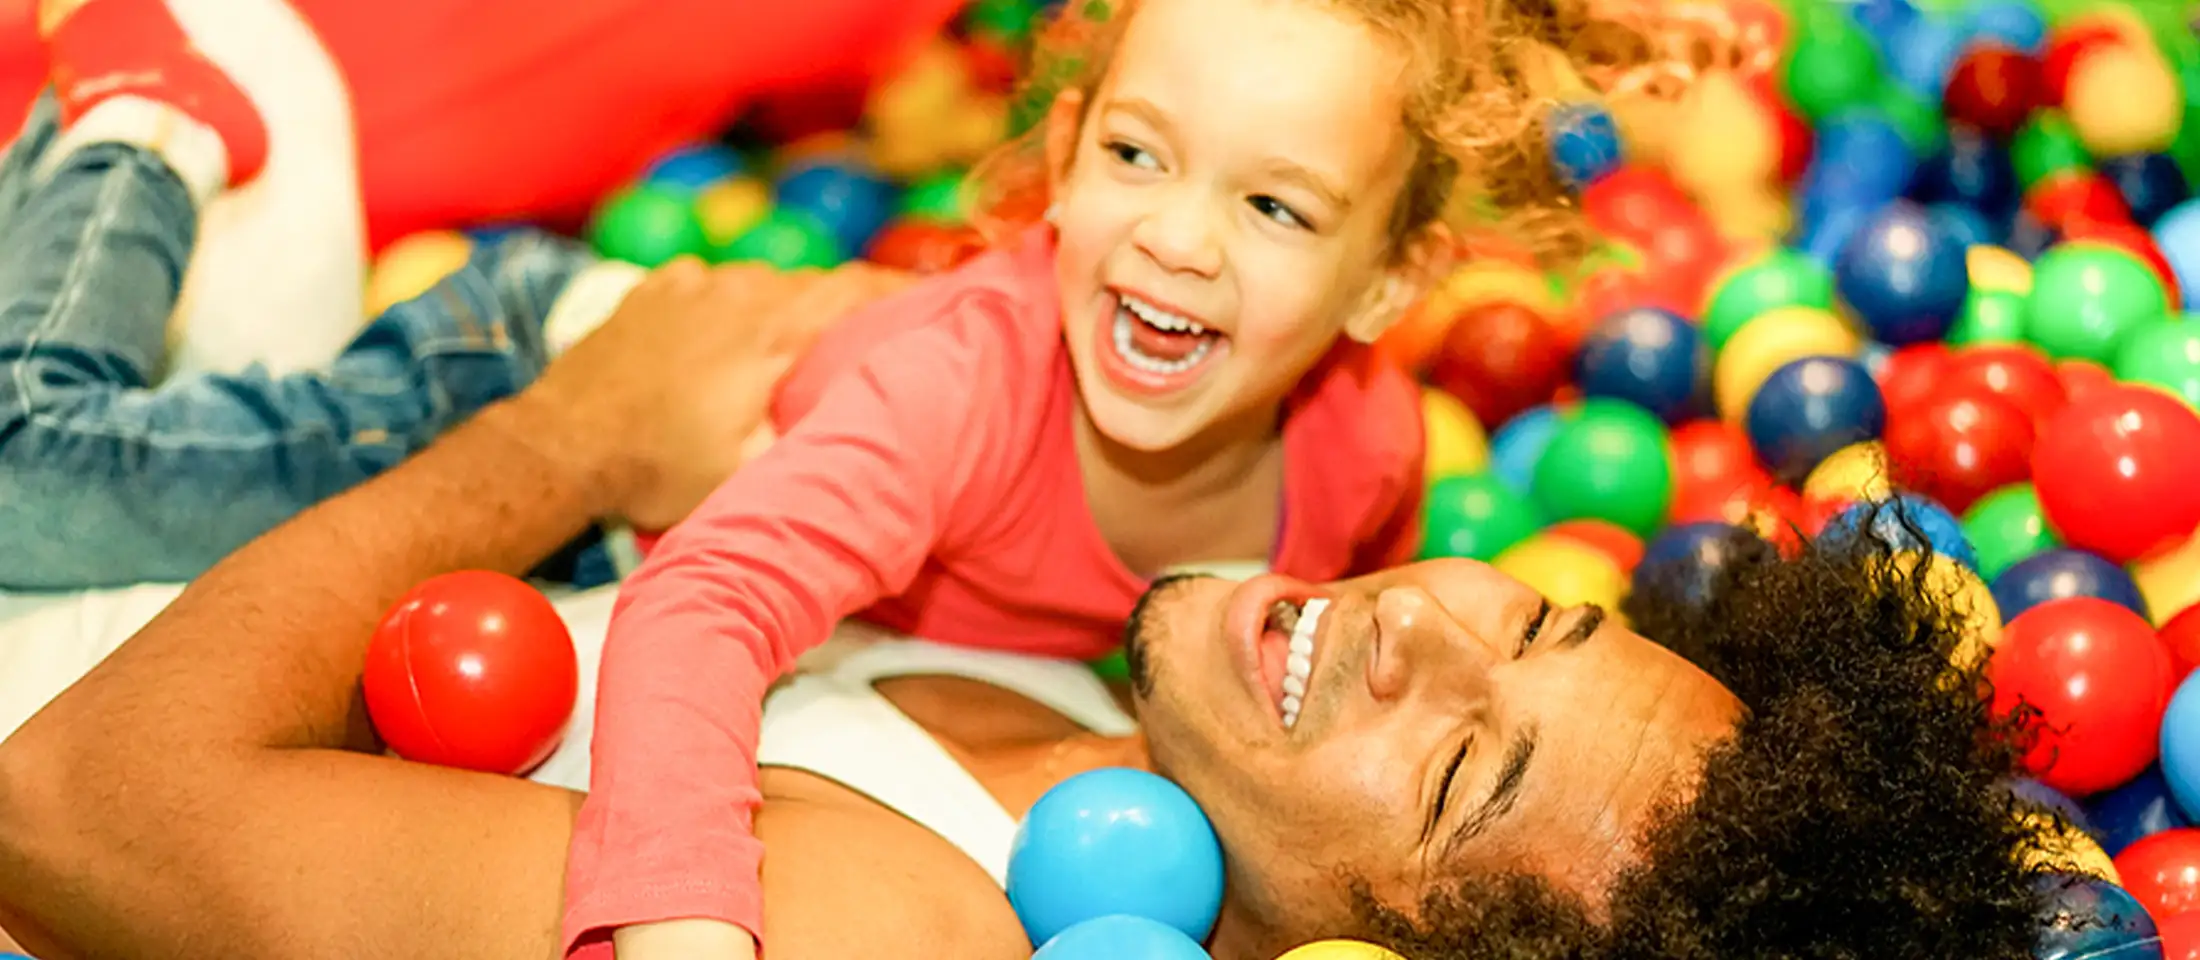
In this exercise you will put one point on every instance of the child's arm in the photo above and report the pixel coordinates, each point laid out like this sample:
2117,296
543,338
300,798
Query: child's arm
843,511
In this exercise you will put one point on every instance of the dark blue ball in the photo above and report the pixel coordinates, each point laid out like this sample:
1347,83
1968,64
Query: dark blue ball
2087,918
1971,170
1905,275
2048,798
2134,812
1892,523
2061,574
1646,356
2150,182
691,168
1809,408
1584,143
1682,566
1965,226
852,204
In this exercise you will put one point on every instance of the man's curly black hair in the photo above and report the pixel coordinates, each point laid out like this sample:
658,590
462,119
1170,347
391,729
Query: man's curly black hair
1859,811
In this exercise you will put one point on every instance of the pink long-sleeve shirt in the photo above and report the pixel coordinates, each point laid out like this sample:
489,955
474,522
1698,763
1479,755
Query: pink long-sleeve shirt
925,479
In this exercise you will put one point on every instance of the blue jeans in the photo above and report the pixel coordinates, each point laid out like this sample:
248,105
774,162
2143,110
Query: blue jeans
109,475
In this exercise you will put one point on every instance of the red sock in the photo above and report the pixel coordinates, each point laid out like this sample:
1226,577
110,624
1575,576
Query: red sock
108,48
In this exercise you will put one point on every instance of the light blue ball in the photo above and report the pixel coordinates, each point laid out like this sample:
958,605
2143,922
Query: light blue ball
1115,841
2181,744
1942,531
695,167
1120,938
2177,235
1518,446
2012,23
1923,53
1584,143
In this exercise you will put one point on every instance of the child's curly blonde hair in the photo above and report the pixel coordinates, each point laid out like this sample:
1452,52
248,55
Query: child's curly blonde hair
1483,75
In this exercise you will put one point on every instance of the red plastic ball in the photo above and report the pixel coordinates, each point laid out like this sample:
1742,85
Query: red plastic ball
1961,444
921,247
1711,459
2081,378
2064,47
2073,197
2019,374
2116,469
1645,209
2181,637
1610,539
2130,238
473,670
2162,871
1499,359
992,64
1911,374
2100,680
1797,140
1993,89
2180,935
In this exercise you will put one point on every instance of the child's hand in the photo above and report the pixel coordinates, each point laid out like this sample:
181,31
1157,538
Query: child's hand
684,372
684,940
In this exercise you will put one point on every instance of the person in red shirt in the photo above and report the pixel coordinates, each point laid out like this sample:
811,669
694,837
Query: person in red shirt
1168,369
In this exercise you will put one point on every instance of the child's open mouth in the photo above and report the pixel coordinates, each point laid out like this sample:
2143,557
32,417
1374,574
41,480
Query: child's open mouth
1151,349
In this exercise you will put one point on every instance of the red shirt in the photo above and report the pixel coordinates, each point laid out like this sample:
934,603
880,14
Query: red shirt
926,477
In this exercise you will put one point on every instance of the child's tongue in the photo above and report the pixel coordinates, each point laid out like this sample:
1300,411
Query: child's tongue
1162,344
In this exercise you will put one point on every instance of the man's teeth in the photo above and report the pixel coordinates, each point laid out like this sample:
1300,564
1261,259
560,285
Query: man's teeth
1301,662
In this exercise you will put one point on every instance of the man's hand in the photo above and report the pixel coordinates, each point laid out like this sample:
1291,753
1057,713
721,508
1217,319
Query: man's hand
679,378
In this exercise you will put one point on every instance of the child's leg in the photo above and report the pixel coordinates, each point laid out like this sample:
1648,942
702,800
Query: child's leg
105,479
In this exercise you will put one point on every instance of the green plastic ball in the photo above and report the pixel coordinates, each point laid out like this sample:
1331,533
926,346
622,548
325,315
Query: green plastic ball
2006,527
1831,65
1002,19
935,199
1113,666
1989,316
1782,278
2087,297
2163,353
646,224
1916,119
1613,462
1474,516
787,239
2047,145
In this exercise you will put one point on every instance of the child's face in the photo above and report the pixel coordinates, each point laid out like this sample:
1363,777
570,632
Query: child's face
1224,211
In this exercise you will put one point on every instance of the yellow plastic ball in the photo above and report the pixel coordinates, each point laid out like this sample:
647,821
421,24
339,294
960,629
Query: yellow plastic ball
1968,598
2170,582
409,267
728,209
2064,848
1723,138
1456,443
2124,100
1340,950
1748,213
1999,269
1769,342
1565,571
1858,471
1492,281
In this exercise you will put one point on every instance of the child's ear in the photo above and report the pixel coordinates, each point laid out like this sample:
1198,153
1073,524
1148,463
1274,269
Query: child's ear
1409,277
1065,120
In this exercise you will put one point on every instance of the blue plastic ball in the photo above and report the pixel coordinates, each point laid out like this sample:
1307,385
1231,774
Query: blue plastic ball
1905,275
1115,841
2016,24
2177,235
1646,356
1860,157
1518,446
1681,567
2087,918
1883,21
1822,234
1973,170
1964,226
1810,408
2151,183
1584,142
2050,799
1923,52
694,167
851,204
2181,743
1120,938
2134,811
2060,574
1891,523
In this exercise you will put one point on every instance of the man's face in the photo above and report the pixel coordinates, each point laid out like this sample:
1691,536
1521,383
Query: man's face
1447,722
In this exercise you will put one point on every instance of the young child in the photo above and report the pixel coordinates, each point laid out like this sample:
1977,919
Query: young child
1169,370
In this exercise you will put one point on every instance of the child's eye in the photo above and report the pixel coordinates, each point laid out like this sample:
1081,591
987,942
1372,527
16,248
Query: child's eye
1275,209
1131,154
